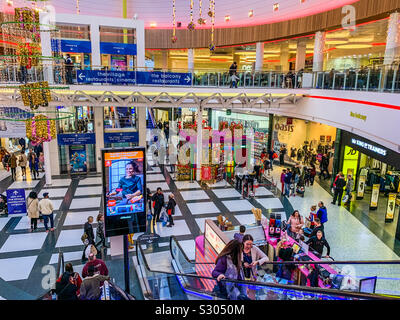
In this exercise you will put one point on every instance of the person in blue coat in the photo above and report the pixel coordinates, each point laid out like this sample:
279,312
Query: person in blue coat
322,213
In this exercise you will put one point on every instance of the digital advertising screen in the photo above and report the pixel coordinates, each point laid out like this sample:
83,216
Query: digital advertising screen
124,187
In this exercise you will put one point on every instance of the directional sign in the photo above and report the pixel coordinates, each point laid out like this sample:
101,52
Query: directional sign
164,78
16,202
107,77
76,139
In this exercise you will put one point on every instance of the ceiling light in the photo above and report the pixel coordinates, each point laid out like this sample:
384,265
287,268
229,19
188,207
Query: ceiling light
153,24
302,1
251,13
227,18
354,46
335,41
276,6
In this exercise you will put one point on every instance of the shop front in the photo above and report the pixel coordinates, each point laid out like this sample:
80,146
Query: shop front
120,127
118,56
79,50
305,141
376,171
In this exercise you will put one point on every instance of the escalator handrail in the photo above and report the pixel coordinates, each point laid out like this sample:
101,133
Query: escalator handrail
263,284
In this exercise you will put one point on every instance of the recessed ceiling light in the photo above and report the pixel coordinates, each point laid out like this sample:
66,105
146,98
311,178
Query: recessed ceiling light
153,24
227,18
276,6
251,13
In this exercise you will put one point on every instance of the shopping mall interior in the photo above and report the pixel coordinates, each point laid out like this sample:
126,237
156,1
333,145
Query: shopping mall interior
199,150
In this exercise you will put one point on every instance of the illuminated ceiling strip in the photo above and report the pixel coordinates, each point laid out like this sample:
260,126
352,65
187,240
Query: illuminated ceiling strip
370,103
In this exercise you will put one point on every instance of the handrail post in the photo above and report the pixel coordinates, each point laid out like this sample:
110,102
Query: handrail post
394,78
368,79
356,84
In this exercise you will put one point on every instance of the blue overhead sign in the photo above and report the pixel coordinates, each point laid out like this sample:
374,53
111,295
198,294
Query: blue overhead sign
118,48
16,201
121,137
134,77
76,139
75,46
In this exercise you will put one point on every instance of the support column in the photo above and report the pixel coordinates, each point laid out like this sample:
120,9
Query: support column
47,165
95,42
259,56
141,125
393,39
190,60
319,47
199,142
285,57
99,130
301,55
45,41
140,45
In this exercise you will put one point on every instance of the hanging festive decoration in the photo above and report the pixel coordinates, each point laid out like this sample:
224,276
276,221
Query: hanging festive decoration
211,13
78,10
201,21
174,37
28,54
40,129
35,95
28,18
191,26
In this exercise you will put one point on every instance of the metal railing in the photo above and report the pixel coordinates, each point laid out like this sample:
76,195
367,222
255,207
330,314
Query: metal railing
380,79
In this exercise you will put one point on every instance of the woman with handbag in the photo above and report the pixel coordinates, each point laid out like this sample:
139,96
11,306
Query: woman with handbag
100,233
33,209
171,209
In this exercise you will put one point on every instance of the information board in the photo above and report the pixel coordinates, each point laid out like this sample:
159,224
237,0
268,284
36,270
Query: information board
16,201
374,197
391,206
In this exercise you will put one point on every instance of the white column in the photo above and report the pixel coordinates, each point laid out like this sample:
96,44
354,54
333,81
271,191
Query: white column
95,42
285,57
319,46
99,131
140,44
141,125
45,41
199,142
301,55
47,165
259,56
190,60
393,39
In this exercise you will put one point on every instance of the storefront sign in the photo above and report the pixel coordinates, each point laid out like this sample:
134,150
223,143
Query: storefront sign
77,156
368,146
391,206
374,197
284,127
358,116
16,201
121,137
164,78
76,139
361,187
118,48
72,46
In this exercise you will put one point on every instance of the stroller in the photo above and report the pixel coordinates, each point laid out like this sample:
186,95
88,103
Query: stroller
3,205
300,189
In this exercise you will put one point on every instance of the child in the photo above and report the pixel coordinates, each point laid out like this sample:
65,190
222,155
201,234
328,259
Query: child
234,79
312,216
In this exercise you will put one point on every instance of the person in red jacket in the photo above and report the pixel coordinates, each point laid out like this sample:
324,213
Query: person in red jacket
283,179
99,266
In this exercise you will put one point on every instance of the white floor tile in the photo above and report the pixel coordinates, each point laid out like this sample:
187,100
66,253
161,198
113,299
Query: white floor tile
221,183
89,191
189,247
262,191
68,256
180,228
187,185
194,195
245,219
154,185
153,170
202,208
16,268
226,193
60,182
54,193
25,223
91,180
78,203
201,222
24,184
68,238
238,205
25,241
3,222
79,218
270,203
155,177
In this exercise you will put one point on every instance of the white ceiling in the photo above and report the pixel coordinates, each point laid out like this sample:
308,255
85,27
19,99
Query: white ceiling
160,11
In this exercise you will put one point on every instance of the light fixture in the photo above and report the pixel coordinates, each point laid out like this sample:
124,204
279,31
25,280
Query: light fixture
251,13
302,1
276,6
354,46
135,16
227,18
10,3
153,24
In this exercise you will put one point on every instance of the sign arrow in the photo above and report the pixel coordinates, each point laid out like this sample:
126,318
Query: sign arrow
81,76
187,79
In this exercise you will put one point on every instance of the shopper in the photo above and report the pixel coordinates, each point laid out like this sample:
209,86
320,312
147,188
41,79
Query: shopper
171,209
91,285
233,68
349,189
100,232
46,208
338,192
68,284
239,235
313,173
318,242
98,264
32,162
288,181
295,225
158,199
324,167
322,213
283,174
317,227
32,206
271,156
234,80
228,265
312,216
13,163
41,161
69,66
88,229
282,153
23,160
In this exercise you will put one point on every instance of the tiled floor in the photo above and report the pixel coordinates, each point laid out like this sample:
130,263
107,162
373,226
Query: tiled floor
23,242
78,218
82,203
270,203
91,180
88,191
226,193
154,185
187,185
238,205
202,207
194,195
16,268
69,238
155,177
54,193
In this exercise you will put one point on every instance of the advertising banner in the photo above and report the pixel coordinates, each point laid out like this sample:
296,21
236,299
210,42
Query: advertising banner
72,46
13,129
121,137
164,78
391,206
124,184
118,48
76,139
77,156
16,201
374,197
361,187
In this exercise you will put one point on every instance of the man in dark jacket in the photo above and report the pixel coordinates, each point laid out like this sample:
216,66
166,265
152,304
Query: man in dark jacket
65,287
338,194
88,229
90,288
318,227
288,181
318,243
158,199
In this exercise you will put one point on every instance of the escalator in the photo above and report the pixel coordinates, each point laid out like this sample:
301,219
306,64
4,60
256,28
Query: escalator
150,120
183,283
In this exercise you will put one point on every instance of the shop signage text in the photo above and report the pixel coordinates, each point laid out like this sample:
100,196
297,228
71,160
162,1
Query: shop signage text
16,202
369,147
358,116
121,137
76,139
284,127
